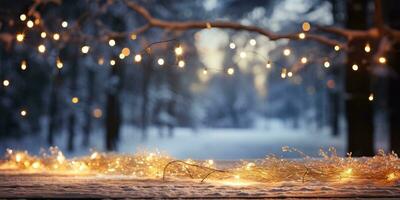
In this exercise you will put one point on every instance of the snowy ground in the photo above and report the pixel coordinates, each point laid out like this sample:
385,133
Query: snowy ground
203,143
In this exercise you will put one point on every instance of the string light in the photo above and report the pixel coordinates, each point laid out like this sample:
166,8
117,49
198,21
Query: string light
371,97
75,100
23,113
232,45
243,54
268,65
138,58
286,52
23,65
181,64
20,37
283,73
160,61
97,113
253,42
43,35
100,61
303,60
59,64
126,51
230,71
382,60
6,83
327,64
367,48
121,56
64,24
302,36
205,71
354,67
133,36
41,48
178,51
336,48
112,62
85,49
111,42
289,74
37,21
306,26
22,17
29,24
56,36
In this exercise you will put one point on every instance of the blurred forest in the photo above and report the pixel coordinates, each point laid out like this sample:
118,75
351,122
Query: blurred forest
66,91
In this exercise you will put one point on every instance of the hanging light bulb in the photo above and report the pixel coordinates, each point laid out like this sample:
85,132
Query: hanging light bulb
253,42
22,17
382,60
178,51
371,97
126,51
303,60
59,64
23,113
20,37
283,73
289,74
111,42
6,83
181,64
354,67
112,62
64,24
121,56
133,36
286,52
205,71
336,48
85,49
43,35
23,65
138,58
242,54
327,64
100,61
42,48
56,36
230,71
29,24
367,48
302,36
75,100
268,65
232,45
160,61
306,26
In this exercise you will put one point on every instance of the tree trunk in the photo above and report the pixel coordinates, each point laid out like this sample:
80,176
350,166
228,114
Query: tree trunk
88,108
113,113
53,108
359,110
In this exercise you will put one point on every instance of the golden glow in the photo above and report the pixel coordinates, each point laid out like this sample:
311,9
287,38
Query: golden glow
181,64
243,54
111,42
303,60
306,26
18,157
29,24
354,67
126,51
371,97
208,25
138,58
382,60
64,24
56,36
230,71
112,62
75,100
6,83
232,45
97,113
327,64
23,65
178,50
121,56
253,42
59,64
283,73
205,71
268,65
160,61
22,17
42,48
20,37
43,35
289,74
23,113
85,49
286,52
391,177
133,36
367,48
100,61
302,36
36,165
37,21
336,48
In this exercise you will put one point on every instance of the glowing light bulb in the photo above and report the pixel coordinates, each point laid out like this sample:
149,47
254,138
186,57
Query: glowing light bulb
138,58
43,35
23,65
303,60
306,26
283,73
268,65
42,48
286,52
230,71
327,64
59,64
111,42
210,162
85,49
18,157
391,177
181,64
6,83
23,113
243,54
367,48
126,51
382,60
232,45
178,51
37,21
121,56
205,71
22,17
75,100
112,62
133,36
253,42
336,48
56,36
160,61
100,61
64,24
289,74
302,36
97,113
29,24
371,97
354,67
20,37
36,165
